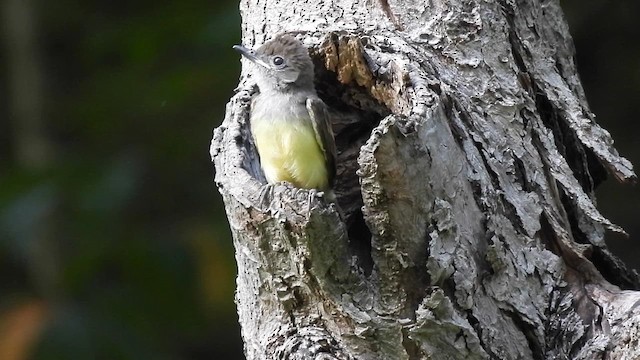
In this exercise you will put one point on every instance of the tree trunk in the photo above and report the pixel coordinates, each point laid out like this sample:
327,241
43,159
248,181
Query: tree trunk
468,159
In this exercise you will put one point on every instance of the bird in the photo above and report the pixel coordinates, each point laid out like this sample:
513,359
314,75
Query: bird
290,124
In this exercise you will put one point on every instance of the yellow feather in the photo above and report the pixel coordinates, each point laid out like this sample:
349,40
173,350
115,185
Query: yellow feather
289,152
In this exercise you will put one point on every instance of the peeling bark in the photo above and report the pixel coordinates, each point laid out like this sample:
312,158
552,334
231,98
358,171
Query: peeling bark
467,164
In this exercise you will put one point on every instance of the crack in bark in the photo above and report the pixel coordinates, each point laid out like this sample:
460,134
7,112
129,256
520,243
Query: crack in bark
529,332
410,346
387,10
475,324
570,146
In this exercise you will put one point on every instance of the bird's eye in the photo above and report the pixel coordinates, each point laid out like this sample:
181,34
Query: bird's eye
277,61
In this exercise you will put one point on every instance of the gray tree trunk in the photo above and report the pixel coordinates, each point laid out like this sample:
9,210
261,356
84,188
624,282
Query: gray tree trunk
468,159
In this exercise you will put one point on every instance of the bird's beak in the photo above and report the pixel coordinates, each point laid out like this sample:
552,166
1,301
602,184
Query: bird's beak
250,54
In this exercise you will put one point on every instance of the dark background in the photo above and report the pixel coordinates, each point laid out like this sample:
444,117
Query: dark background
113,239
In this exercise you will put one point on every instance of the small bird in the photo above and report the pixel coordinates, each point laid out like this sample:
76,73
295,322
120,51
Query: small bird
289,122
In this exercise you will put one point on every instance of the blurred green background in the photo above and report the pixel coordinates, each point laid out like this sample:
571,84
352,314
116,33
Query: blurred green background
113,239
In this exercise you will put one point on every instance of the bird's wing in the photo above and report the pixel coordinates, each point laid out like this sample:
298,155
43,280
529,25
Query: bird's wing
324,135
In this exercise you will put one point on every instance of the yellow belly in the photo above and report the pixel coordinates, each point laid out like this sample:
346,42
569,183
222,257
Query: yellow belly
289,152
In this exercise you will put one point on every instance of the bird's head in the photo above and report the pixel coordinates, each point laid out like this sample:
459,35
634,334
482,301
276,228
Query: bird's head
282,64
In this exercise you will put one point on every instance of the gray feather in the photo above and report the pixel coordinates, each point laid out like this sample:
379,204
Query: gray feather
324,134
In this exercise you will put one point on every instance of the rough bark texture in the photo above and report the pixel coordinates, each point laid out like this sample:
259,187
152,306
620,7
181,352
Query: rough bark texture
468,159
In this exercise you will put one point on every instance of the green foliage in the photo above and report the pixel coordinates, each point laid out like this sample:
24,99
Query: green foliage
112,233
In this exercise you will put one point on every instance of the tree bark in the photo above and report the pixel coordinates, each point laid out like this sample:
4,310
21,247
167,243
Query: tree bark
467,164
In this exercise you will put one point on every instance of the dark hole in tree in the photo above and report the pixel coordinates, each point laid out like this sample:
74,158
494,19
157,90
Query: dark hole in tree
354,114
